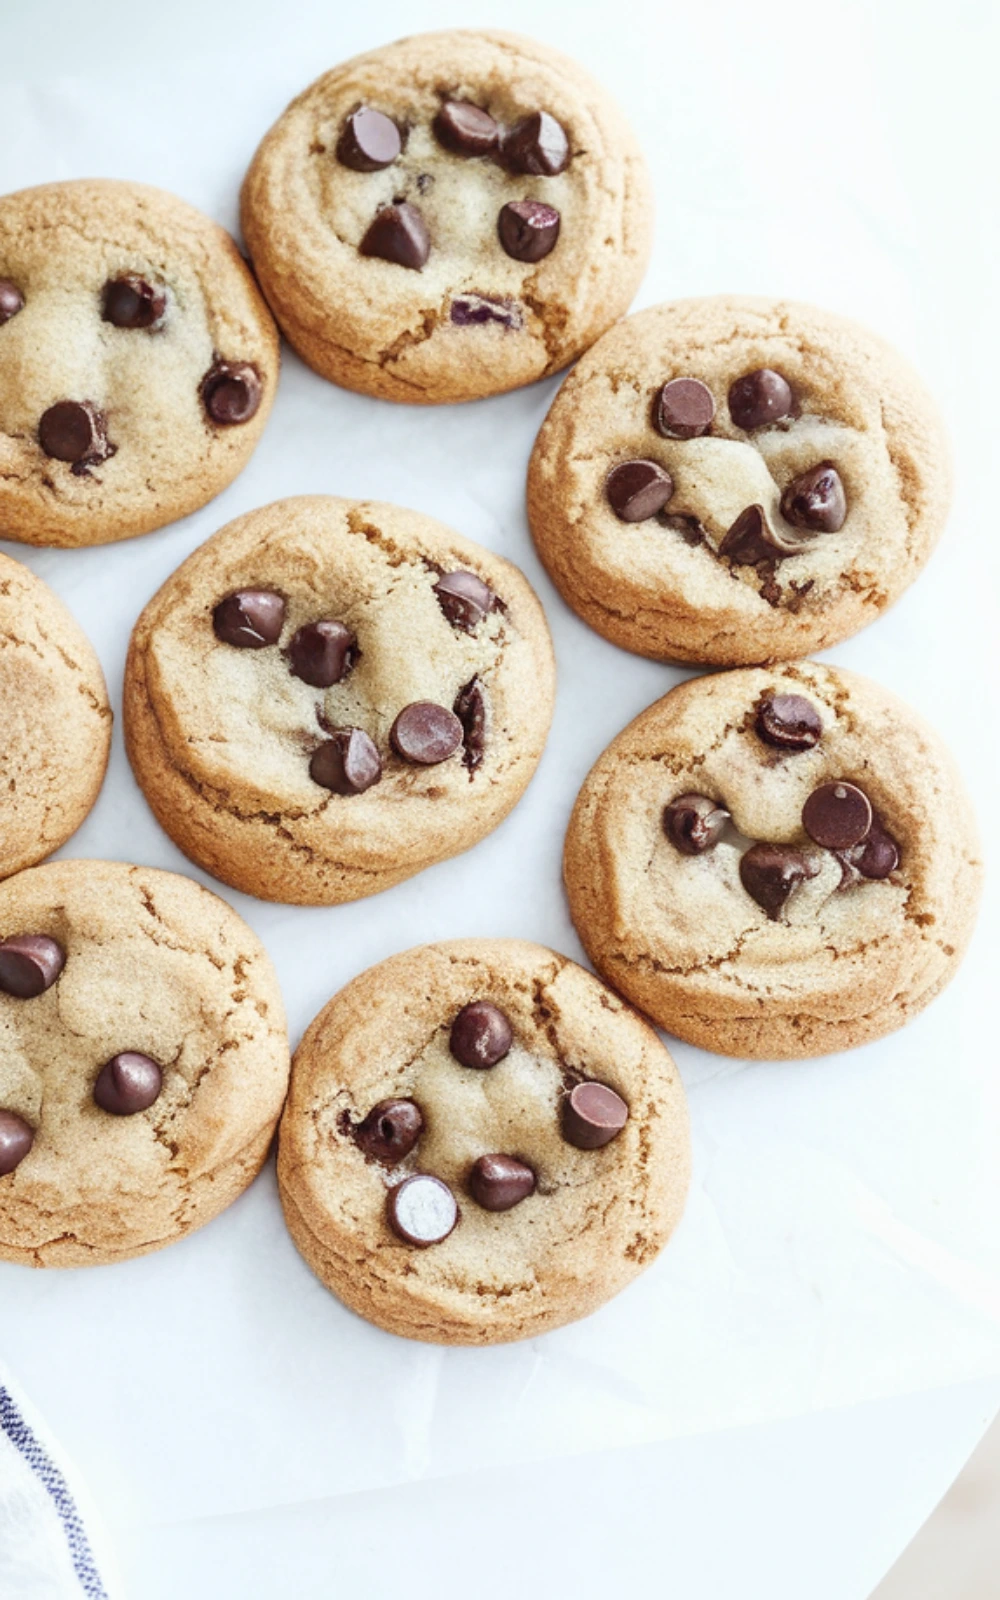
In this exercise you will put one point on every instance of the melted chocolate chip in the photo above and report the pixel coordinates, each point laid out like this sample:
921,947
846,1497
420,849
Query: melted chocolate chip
537,144
425,733
470,709
128,1083
422,1210
131,302
497,1183
788,721
474,310
75,431
636,490
770,873
16,1140
30,963
464,598
816,500
231,391
528,229
683,409
465,129
481,1035
369,141
751,540
875,857
11,300
593,1115
390,1131
837,815
760,398
693,823
398,234
322,653
249,619
347,763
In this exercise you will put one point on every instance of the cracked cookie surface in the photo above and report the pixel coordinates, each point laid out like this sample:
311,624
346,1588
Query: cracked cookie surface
225,740
667,584
138,361
471,319
819,959
594,1218
55,721
154,964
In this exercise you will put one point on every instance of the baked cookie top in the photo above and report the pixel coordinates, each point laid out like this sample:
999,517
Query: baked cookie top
55,721
330,695
481,1142
735,480
138,362
450,216
775,862
143,1060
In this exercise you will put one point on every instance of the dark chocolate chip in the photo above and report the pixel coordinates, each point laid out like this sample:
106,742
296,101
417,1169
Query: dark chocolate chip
693,823
231,391
637,490
30,963
347,763
322,653
425,733
131,302
875,857
422,1210
465,129
473,310
788,721
837,815
760,398
128,1083
816,500
771,872
16,1140
390,1130
481,1035
683,409
470,709
751,540
497,1183
11,300
528,229
75,431
398,234
593,1114
250,619
369,141
537,144
464,598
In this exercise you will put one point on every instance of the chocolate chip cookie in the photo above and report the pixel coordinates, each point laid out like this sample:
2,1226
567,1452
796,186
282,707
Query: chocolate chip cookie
331,694
138,361
737,480
481,1142
143,1061
447,217
775,863
55,721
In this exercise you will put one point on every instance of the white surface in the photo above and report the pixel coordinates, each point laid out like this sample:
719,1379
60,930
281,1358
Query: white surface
842,1239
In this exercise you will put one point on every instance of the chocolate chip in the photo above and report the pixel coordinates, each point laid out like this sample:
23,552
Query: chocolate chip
16,1140
693,823
11,300
837,815
398,234
369,141
422,1210
464,598
75,431
231,391
30,963
788,721
537,144
348,762
481,1035
875,857
760,398
528,229
390,1130
131,302
250,619
593,1114
128,1083
816,500
683,409
473,310
771,872
465,129
470,709
751,540
425,733
637,490
322,653
498,1183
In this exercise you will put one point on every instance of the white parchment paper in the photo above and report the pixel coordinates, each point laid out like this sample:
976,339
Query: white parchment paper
841,1240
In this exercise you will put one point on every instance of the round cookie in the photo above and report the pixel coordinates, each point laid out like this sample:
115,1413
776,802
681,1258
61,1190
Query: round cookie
447,217
331,695
737,480
481,1143
143,1061
138,361
775,863
55,721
